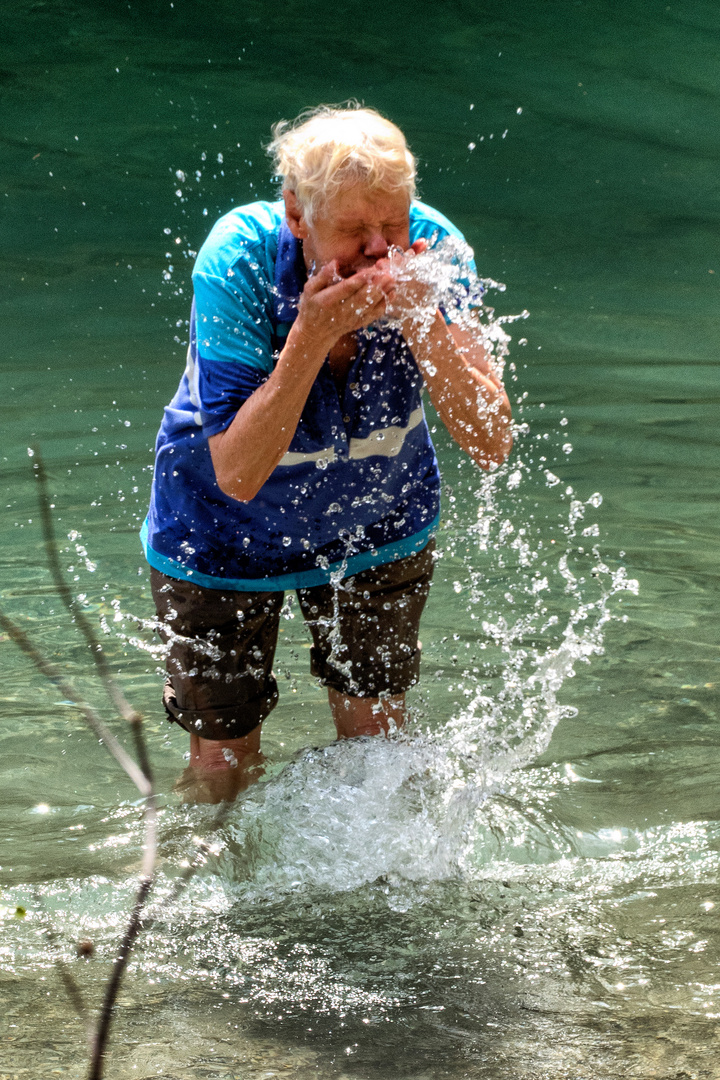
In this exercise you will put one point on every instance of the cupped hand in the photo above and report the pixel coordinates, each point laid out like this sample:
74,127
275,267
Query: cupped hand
331,306
411,296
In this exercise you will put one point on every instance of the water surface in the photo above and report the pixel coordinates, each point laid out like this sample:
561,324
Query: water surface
557,920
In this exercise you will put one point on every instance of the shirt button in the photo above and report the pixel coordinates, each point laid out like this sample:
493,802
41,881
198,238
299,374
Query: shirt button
346,419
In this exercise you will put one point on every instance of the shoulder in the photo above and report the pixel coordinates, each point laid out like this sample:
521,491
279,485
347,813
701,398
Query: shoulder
246,234
427,222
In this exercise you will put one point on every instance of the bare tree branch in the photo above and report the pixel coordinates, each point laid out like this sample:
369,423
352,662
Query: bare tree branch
105,736
144,785
114,692
111,991
140,773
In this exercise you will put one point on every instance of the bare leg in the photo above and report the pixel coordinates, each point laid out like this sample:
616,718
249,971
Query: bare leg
221,768
365,716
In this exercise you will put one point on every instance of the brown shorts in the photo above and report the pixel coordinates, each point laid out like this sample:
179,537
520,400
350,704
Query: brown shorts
220,683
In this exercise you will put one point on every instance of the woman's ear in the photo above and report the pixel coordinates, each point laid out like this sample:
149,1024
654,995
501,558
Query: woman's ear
294,216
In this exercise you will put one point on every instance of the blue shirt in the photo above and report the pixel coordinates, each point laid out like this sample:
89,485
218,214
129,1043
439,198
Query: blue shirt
359,485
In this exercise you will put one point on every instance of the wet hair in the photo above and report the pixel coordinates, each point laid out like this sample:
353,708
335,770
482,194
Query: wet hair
333,147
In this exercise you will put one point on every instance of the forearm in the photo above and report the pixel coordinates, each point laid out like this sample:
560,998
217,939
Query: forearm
468,396
247,452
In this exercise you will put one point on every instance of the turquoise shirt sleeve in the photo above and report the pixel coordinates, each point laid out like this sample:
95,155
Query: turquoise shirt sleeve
429,224
233,315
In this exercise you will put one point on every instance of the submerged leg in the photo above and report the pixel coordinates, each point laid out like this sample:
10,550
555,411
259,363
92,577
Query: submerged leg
366,716
221,768
365,641
220,686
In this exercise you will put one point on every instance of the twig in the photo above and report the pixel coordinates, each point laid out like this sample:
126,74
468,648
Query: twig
105,736
143,783
140,774
123,706
111,991
128,713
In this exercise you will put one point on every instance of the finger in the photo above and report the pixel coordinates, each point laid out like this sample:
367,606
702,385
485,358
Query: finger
320,280
363,303
386,281
367,300
372,314
419,246
350,286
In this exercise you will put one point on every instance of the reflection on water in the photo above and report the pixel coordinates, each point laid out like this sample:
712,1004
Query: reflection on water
526,885
557,948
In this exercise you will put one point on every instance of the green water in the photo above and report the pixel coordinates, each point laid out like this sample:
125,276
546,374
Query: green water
577,936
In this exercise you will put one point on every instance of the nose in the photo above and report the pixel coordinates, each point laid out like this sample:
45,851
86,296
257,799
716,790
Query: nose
375,246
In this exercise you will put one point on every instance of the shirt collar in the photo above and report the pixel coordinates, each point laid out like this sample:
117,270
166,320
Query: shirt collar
290,275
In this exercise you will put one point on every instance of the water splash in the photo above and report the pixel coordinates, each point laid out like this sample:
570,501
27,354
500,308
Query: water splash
450,283
536,596
540,596
410,808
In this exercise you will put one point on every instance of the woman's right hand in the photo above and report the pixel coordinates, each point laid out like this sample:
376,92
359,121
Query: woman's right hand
331,306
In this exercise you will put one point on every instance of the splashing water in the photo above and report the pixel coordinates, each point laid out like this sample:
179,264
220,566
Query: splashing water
410,808
537,596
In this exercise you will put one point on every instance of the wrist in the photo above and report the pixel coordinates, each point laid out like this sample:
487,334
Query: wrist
417,326
312,338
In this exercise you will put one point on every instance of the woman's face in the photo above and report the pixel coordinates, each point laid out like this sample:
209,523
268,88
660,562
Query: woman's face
356,227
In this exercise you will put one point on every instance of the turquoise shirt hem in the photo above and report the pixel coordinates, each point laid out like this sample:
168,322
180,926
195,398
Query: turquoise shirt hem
306,579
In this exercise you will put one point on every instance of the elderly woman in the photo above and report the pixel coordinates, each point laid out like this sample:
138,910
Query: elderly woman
295,454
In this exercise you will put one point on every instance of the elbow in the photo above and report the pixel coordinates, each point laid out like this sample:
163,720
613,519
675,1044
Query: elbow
493,454
498,441
236,488
240,488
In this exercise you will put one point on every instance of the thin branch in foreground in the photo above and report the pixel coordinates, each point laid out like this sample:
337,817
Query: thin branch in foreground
145,787
134,718
140,774
123,706
111,991
105,736
142,779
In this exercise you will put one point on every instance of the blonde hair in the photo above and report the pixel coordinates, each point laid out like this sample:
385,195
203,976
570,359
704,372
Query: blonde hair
331,147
